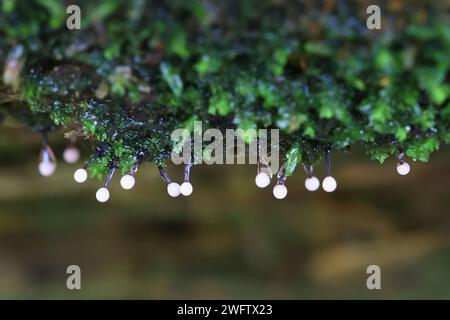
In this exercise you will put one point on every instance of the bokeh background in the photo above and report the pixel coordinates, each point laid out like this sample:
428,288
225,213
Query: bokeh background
229,239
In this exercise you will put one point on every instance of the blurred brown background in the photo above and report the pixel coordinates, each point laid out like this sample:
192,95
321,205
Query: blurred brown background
229,239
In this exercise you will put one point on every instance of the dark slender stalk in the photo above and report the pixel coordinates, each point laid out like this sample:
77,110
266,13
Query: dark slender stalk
46,153
164,175
139,160
327,162
262,163
134,169
282,178
44,139
109,177
282,175
401,156
308,170
87,164
97,154
187,171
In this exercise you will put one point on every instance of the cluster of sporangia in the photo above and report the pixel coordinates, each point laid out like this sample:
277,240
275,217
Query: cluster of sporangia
71,154
312,183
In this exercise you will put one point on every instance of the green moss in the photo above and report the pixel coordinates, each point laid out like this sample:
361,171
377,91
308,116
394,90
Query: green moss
139,69
293,158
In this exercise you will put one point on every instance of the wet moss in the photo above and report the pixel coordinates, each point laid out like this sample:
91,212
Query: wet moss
139,69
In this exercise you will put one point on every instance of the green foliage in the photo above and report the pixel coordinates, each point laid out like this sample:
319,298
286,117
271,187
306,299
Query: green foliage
139,69
293,158
172,78
421,149
220,103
